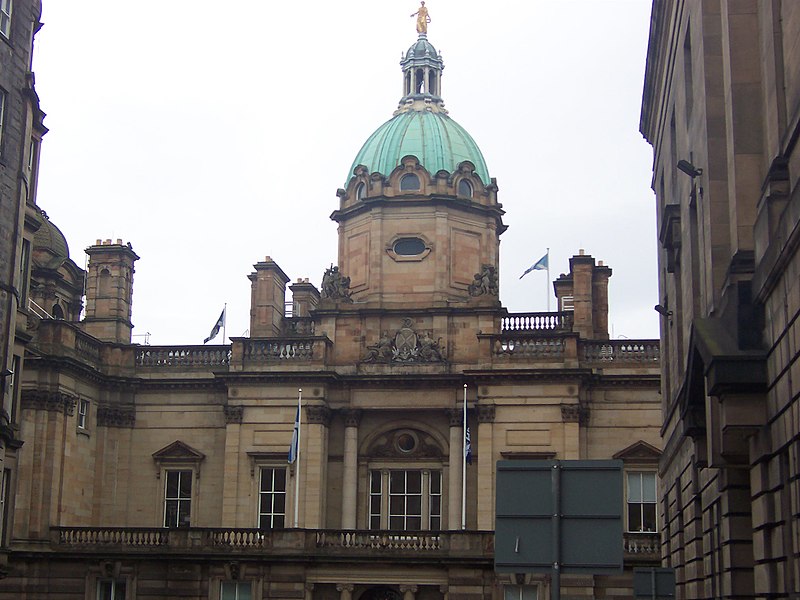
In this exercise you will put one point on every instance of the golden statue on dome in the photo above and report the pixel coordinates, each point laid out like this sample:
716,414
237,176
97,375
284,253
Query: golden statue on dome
422,18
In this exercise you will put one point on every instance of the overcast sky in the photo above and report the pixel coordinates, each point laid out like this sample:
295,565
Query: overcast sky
212,134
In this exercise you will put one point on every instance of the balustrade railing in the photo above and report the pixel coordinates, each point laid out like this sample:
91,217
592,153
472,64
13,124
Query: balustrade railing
385,540
132,537
299,326
529,347
627,351
237,538
537,321
260,350
642,544
87,346
183,356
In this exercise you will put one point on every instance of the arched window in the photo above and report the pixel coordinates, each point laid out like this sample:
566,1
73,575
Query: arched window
465,189
57,312
360,188
409,183
104,284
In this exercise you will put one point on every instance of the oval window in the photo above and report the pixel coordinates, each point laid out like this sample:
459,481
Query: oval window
465,189
409,183
409,247
406,442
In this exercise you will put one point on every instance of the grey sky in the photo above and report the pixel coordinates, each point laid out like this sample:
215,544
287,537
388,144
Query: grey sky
211,134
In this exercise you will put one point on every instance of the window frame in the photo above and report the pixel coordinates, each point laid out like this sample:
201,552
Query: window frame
407,177
180,500
273,493
236,583
641,503
3,111
84,406
380,497
114,581
6,13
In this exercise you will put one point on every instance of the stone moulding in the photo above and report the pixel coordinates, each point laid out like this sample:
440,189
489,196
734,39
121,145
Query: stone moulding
116,416
49,401
405,346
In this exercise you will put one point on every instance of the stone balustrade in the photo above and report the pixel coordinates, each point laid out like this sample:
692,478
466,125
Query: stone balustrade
416,541
621,351
547,322
529,347
283,349
642,546
183,356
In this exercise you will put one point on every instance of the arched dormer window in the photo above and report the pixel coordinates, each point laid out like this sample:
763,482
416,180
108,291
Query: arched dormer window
409,183
360,189
464,189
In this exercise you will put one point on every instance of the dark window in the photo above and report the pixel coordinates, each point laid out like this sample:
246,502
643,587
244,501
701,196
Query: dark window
465,189
360,188
236,590
409,183
409,247
5,18
178,499
111,589
272,498
57,312
642,502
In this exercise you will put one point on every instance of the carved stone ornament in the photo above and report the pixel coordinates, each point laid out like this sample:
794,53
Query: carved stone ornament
486,413
405,444
485,283
233,414
49,401
406,346
335,286
574,413
116,416
319,415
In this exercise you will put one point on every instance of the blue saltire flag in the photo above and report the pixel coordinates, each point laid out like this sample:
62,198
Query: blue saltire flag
540,265
467,447
294,448
217,326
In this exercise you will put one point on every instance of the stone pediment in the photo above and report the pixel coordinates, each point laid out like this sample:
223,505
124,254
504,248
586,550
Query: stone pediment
177,451
639,451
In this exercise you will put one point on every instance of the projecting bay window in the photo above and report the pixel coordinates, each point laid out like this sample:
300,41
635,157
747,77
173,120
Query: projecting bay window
178,498
405,499
641,501
272,498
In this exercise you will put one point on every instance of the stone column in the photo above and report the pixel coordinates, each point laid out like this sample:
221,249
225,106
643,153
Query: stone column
573,415
230,475
485,446
314,466
408,591
309,591
454,489
345,591
350,469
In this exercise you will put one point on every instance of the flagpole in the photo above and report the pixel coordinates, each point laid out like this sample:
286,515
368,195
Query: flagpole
224,322
464,465
297,462
547,284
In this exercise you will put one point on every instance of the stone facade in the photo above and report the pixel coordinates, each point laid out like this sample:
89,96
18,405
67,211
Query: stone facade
161,471
720,107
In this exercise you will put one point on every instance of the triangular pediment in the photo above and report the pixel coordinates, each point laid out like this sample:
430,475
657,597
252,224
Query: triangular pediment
639,451
178,451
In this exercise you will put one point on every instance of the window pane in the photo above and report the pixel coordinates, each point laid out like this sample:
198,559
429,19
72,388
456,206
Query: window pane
184,509
375,481
280,480
396,523
649,517
396,505
409,182
634,517
414,524
172,484
436,523
171,513
279,505
228,591
397,482
436,506
119,590
634,487
414,505
375,521
104,590
649,487
186,484
436,482
414,482
245,591
278,521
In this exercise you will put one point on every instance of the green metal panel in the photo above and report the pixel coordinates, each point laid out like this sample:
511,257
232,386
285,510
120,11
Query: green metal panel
438,142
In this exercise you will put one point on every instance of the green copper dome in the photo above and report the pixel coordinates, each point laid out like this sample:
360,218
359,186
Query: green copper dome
438,142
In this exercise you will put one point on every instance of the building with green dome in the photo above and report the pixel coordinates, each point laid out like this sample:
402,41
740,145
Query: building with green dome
398,381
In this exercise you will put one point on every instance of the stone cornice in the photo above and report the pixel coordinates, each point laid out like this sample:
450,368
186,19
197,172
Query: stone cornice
49,401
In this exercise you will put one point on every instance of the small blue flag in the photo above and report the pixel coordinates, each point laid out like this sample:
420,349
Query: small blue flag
294,448
540,265
467,447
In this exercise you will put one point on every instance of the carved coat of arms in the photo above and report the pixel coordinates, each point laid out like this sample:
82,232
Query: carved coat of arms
405,346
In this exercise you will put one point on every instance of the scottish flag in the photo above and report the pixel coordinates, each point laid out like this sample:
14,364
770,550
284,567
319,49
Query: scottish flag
540,265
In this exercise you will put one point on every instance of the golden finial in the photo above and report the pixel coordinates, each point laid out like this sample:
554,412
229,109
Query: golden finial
422,18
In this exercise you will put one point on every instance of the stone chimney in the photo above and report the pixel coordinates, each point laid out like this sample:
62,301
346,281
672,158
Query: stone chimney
585,291
305,297
267,298
109,291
